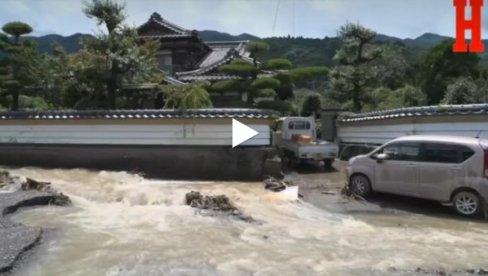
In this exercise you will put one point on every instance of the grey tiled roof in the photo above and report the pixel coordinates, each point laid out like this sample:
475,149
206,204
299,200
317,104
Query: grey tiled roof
211,113
438,110
220,50
156,17
229,56
222,53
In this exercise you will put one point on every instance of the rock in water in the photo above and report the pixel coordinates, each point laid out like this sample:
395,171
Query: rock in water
5,179
216,203
31,184
61,200
219,203
193,198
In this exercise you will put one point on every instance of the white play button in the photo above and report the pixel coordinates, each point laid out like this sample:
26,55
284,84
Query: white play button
241,133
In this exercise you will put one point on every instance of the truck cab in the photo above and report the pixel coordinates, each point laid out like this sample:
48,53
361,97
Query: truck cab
296,138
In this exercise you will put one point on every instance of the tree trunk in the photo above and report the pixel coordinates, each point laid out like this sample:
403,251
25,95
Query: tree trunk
356,101
15,100
112,88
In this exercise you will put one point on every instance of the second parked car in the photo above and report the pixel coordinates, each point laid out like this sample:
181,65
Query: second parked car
447,169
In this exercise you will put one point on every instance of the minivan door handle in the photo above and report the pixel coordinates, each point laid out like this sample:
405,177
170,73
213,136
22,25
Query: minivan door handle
411,165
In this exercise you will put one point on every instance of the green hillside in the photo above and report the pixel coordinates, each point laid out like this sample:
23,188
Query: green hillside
301,51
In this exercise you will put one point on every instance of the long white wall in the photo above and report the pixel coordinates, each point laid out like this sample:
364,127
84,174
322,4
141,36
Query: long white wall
218,135
382,133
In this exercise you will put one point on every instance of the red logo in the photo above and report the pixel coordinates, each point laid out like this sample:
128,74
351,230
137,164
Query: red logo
463,24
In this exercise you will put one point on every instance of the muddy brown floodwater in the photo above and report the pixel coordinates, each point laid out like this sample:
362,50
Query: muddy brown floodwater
123,224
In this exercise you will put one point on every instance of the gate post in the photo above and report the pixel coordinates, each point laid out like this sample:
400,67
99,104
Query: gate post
328,118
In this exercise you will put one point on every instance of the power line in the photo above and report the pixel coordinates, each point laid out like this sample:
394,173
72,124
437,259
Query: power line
275,17
294,18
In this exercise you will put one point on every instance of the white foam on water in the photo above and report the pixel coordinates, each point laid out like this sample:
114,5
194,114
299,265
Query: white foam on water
124,224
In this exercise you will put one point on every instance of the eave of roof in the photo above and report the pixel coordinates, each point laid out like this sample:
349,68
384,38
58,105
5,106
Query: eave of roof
212,77
212,113
439,110
167,36
172,80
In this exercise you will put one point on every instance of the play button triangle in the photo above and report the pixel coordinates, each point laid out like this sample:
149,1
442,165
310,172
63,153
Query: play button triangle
241,133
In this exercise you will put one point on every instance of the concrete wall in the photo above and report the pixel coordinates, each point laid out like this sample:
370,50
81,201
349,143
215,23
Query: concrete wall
167,162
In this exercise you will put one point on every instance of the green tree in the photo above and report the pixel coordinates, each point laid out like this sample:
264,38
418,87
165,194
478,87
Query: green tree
309,73
353,75
285,90
118,54
392,67
281,77
254,86
464,90
17,29
17,73
277,64
441,65
406,96
257,49
186,96
311,105
226,85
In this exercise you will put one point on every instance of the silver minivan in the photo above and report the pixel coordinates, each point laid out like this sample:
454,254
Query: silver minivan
447,169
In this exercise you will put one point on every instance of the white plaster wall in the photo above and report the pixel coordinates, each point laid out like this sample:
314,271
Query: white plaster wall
379,134
218,135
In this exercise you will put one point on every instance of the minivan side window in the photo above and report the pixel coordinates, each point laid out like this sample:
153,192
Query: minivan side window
445,153
402,151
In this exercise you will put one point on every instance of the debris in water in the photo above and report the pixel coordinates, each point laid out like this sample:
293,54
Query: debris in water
275,185
348,193
6,179
31,184
59,199
440,272
219,203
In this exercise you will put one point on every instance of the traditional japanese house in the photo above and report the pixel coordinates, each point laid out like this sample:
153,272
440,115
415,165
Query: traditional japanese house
185,57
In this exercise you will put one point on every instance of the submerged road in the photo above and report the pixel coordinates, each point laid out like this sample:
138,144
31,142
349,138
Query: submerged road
123,224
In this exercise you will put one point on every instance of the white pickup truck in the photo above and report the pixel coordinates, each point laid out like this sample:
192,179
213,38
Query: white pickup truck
296,151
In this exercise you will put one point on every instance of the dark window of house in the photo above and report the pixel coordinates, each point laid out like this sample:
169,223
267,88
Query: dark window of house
403,151
445,153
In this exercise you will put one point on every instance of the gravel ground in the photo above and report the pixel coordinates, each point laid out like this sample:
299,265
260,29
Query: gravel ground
322,188
17,239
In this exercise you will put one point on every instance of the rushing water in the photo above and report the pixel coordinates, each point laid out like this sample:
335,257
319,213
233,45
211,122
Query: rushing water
123,224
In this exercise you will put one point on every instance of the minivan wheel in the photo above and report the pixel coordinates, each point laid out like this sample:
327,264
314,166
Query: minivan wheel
467,204
360,185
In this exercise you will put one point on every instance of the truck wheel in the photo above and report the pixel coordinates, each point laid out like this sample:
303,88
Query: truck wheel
468,204
294,162
328,163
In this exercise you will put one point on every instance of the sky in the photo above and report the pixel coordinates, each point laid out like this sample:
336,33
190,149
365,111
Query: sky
307,18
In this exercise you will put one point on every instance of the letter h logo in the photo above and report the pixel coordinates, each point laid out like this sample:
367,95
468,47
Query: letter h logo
462,25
